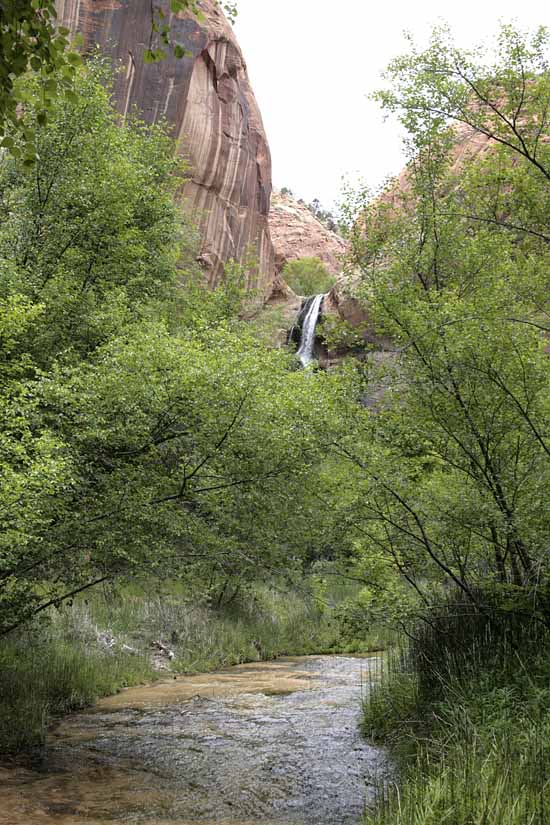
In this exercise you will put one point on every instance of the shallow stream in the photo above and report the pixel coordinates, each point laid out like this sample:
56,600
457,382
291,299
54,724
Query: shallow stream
273,743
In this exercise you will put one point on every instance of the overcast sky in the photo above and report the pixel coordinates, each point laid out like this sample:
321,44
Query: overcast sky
312,64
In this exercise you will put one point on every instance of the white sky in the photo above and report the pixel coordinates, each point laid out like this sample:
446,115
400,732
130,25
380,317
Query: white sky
313,62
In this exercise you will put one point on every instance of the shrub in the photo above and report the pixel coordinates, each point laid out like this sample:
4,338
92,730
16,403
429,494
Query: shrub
308,276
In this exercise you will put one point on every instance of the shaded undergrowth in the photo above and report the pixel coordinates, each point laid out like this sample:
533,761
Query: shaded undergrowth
465,706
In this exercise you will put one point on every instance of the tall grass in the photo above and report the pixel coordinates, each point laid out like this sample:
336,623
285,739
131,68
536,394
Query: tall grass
465,704
104,642
51,677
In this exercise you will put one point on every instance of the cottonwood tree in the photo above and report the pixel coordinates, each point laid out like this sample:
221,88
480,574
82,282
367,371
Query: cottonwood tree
144,430
454,267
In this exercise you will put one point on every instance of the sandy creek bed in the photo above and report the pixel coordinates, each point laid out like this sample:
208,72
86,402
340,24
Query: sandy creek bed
271,743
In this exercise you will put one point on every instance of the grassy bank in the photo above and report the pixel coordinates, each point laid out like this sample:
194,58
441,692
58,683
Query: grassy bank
105,642
465,708
51,677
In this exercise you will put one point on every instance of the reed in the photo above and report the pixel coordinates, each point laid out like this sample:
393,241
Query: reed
39,680
465,707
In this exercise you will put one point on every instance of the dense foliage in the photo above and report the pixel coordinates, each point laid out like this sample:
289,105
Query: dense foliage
454,265
308,276
144,430
452,470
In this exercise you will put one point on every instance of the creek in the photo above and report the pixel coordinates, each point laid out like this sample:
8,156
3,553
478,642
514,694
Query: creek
275,743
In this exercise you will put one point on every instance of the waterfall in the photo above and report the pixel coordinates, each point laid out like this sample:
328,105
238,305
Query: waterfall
311,312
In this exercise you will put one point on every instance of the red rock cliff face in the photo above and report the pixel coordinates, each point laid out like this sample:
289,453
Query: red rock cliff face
296,233
208,99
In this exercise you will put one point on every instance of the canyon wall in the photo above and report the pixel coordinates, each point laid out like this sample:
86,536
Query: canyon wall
207,99
297,233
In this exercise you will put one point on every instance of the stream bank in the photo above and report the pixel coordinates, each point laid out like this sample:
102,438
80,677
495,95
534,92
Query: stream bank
97,645
275,742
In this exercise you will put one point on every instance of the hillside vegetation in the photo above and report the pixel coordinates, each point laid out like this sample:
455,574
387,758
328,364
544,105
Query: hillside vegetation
454,263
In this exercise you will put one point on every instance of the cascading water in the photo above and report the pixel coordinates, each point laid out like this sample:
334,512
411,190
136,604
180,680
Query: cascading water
311,312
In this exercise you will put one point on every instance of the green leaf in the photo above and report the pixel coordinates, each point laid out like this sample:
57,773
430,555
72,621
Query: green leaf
153,55
74,59
180,51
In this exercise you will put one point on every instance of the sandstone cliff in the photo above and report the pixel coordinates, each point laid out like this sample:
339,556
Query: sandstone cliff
469,144
208,100
296,233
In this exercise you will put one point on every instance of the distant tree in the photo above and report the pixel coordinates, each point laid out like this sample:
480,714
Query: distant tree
323,215
308,276
315,206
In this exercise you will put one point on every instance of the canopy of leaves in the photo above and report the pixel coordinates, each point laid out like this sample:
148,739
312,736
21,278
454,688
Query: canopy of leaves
308,276
455,268
144,429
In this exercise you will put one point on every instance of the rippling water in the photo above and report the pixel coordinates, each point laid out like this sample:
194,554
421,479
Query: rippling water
271,743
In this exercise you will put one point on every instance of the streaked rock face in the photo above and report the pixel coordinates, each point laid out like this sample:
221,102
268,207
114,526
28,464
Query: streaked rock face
296,233
208,100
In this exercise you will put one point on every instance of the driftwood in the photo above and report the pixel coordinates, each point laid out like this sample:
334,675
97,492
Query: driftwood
164,649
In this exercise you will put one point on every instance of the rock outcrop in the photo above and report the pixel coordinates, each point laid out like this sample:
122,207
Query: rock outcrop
469,144
296,233
207,99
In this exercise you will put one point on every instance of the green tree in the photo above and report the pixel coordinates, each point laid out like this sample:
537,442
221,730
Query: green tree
34,468
91,232
185,450
308,276
454,266
88,244
144,429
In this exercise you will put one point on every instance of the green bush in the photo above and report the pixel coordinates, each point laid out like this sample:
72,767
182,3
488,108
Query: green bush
465,706
308,276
